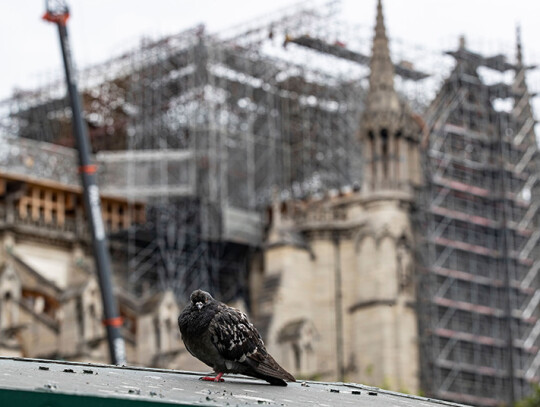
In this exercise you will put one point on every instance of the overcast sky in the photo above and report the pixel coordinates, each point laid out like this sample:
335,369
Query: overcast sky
100,29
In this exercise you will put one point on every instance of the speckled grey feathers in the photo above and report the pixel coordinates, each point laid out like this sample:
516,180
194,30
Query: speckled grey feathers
224,339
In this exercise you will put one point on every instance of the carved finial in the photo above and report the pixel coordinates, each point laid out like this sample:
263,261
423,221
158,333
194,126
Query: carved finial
382,69
382,96
379,27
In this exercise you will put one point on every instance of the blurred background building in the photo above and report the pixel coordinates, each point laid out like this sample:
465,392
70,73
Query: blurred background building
378,227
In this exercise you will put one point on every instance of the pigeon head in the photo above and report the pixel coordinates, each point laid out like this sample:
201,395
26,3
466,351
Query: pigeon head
200,298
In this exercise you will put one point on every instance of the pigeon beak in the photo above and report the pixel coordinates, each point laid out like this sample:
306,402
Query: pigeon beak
199,305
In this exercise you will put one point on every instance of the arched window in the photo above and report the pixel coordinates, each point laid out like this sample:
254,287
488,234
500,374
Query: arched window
94,325
372,158
297,352
157,333
385,153
397,158
8,308
296,338
168,334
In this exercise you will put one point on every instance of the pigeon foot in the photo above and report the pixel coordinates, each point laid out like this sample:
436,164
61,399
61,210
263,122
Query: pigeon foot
213,379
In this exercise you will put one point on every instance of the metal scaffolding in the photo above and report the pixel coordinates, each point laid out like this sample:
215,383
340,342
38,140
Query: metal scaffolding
203,128
479,304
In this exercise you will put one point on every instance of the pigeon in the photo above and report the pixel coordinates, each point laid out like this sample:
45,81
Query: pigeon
224,339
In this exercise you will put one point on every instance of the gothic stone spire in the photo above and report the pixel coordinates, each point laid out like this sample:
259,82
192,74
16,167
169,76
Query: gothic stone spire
389,135
382,100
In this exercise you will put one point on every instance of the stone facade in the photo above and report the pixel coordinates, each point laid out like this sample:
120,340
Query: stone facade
335,295
339,282
50,301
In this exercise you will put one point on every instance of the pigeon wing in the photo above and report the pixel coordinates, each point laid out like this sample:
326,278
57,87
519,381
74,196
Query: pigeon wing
234,336
237,339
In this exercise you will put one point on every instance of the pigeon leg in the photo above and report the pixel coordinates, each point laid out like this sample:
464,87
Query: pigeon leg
213,379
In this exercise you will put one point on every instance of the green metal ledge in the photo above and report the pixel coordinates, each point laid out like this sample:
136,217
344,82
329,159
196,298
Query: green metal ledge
50,383
22,398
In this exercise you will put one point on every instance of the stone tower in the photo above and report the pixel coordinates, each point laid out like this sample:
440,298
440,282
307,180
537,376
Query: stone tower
334,296
383,316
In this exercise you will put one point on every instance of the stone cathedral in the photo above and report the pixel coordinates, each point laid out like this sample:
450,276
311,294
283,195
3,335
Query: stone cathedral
423,277
335,297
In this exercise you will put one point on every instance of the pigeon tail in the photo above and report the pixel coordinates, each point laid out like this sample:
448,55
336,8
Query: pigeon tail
274,381
271,370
